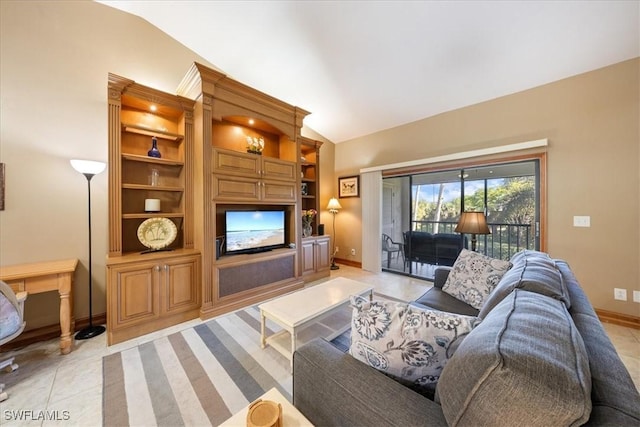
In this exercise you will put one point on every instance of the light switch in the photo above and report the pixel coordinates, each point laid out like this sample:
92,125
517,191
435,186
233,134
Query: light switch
582,221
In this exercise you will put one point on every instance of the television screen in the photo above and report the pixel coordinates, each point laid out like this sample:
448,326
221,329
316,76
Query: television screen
254,231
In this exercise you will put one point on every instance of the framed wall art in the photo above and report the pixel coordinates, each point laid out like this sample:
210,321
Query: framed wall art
349,186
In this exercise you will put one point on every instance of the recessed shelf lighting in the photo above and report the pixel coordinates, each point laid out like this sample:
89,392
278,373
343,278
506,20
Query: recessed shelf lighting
153,107
251,122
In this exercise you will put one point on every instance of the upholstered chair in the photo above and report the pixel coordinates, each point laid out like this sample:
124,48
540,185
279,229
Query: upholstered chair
11,324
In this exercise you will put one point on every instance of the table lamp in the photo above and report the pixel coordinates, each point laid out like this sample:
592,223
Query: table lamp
472,223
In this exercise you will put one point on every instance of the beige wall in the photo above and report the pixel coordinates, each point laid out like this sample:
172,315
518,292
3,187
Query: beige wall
592,124
55,57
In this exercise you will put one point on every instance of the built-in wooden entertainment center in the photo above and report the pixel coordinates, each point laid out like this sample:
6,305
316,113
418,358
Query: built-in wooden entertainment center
205,169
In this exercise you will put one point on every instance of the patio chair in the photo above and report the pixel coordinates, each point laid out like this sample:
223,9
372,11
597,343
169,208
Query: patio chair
392,248
11,324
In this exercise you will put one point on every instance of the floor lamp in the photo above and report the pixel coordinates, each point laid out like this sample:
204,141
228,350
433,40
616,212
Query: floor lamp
472,223
89,168
334,207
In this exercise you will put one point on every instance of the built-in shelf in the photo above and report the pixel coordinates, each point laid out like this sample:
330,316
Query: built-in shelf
146,215
151,187
154,160
149,290
151,132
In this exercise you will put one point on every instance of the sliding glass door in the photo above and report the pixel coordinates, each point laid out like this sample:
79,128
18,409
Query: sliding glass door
421,211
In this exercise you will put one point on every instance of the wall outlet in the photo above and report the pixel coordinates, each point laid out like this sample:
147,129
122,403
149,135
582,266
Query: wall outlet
636,296
353,252
620,294
582,221
337,249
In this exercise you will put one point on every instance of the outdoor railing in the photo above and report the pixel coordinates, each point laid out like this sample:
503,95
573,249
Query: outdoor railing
504,241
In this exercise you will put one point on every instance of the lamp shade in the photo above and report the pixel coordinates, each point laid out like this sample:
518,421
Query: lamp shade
334,205
472,223
88,166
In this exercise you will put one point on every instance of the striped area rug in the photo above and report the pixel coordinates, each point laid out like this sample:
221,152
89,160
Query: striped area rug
202,375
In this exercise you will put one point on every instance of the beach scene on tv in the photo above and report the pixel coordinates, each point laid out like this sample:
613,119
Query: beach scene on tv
254,230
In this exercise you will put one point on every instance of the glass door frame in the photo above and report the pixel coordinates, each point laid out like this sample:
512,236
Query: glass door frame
540,224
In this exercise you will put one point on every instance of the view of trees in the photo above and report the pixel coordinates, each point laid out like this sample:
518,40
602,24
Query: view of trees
511,202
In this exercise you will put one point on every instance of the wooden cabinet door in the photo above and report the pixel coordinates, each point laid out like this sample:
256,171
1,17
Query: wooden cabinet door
134,294
278,169
308,257
278,191
323,254
236,189
181,284
235,163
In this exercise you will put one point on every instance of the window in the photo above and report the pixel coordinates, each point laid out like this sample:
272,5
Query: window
421,210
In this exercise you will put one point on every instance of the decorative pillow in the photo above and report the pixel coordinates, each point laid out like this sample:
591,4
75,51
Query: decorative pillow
408,343
473,277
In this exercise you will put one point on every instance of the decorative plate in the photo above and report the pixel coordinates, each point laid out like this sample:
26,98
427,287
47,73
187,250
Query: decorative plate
157,233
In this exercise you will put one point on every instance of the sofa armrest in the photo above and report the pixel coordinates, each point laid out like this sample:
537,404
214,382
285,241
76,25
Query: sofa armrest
440,275
332,388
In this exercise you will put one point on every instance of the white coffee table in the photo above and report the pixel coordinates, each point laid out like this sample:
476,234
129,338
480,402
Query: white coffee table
296,310
291,417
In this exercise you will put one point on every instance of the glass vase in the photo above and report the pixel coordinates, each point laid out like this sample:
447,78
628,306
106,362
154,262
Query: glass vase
154,152
307,230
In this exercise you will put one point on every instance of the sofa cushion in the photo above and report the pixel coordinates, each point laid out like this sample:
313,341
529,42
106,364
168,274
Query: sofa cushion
532,271
474,276
525,363
408,343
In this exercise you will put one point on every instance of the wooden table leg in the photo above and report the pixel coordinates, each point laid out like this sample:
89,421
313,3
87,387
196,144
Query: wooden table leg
66,343
293,346
263,339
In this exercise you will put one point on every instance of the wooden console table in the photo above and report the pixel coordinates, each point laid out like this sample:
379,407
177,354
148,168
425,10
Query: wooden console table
44,277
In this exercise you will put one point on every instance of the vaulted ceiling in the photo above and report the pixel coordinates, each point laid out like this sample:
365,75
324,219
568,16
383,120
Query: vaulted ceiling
365,66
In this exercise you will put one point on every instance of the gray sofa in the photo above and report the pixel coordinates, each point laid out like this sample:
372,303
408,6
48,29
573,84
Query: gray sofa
540,356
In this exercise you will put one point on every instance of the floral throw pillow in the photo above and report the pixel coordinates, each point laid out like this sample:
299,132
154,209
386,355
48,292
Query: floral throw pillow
406,342
473,277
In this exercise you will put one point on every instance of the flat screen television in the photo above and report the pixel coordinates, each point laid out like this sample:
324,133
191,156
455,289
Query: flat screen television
254,231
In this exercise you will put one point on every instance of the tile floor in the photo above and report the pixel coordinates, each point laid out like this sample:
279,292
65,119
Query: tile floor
69,388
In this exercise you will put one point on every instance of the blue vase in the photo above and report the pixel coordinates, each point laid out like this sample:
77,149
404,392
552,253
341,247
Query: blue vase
154,152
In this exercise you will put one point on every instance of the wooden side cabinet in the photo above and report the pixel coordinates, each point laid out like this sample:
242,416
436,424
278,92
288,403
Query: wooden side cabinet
147,295
316,261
